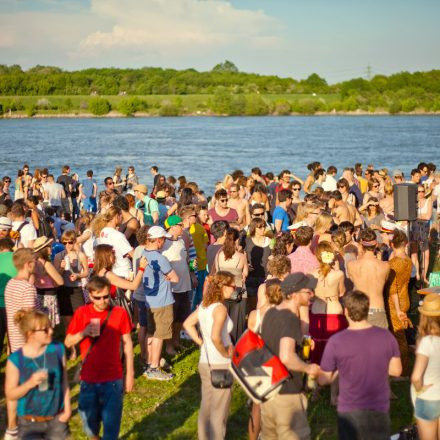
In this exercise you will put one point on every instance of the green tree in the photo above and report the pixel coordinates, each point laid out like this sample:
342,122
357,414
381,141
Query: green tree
256,106
99,106
282,107
221,101
226,66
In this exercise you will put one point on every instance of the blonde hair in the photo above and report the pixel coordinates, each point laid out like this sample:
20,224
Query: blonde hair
28,320
22,256
279,265
274,294
69,235
428,325
323,222
214,292
101,220
388,188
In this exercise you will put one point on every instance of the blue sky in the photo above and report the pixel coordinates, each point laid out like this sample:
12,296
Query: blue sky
337,39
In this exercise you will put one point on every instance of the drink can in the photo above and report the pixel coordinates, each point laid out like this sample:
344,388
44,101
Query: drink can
307,342
67,261
44,385
96,323
311,382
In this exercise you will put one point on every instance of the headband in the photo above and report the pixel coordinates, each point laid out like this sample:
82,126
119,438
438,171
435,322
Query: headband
369,243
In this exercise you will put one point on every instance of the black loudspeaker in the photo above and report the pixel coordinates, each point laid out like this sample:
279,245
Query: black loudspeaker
405,201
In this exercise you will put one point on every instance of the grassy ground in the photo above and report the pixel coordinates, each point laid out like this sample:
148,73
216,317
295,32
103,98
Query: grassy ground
168,410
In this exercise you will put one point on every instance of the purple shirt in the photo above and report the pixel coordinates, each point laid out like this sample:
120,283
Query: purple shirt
231,216
303,260
362,358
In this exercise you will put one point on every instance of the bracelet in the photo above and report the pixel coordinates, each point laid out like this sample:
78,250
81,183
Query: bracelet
141,269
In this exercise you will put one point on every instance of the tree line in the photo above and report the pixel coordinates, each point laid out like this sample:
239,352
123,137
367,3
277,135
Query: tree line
227,90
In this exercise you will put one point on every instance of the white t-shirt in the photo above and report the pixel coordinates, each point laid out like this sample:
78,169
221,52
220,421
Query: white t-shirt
329,183
176,253
55,193
122,266
430,346
27,232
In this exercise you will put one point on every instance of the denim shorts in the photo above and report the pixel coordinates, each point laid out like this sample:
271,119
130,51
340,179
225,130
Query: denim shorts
142,312
428,410
50,430
101,403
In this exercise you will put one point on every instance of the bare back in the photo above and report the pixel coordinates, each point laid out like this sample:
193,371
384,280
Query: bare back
369,276
330,289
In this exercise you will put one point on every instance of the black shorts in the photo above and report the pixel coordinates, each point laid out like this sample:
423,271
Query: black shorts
181,306
69,299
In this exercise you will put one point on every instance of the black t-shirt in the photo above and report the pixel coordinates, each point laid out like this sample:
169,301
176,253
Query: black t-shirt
279,324
65,180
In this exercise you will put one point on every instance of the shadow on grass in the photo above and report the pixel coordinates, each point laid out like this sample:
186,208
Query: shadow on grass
171,414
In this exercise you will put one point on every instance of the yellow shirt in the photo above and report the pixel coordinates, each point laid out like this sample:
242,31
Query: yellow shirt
200,239
363,184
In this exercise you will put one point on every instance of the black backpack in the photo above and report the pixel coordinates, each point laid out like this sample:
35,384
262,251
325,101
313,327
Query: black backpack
44,229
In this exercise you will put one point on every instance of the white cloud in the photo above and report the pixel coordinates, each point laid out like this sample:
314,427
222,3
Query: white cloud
178,27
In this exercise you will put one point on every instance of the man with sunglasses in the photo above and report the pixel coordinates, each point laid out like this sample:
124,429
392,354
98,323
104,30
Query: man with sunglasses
6,186
108,191
99,329
280,217
239,204
221,211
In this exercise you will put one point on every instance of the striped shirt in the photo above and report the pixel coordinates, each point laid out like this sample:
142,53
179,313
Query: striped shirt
19,294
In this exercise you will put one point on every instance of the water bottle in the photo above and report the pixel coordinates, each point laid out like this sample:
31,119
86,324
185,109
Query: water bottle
68,267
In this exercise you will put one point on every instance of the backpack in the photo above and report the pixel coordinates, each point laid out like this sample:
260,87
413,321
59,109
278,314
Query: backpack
258,371
44,228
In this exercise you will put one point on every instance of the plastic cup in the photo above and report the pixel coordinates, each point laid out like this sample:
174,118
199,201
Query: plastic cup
44,385
96,326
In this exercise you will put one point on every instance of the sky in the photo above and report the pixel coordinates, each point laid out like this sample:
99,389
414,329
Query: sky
338,39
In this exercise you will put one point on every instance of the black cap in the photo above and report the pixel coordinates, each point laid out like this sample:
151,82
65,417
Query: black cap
297,281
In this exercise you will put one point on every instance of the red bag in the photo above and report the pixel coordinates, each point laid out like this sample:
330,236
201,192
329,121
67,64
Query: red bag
259,372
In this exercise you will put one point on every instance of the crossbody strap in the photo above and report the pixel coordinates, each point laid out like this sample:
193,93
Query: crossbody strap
95,339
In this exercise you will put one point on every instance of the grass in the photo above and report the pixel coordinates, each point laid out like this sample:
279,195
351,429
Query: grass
168,410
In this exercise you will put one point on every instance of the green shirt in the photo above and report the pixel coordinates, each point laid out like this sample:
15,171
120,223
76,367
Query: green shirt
7,271
150,206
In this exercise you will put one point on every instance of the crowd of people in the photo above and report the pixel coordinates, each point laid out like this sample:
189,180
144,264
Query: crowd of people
320,268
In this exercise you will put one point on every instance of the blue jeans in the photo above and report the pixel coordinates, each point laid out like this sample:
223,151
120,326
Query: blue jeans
197,299
89,204
101,402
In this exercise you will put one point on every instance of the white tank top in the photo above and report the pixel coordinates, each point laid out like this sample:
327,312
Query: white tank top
206,321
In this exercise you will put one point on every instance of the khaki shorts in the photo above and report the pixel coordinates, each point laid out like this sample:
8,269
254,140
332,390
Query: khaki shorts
285,418
160,322
378,317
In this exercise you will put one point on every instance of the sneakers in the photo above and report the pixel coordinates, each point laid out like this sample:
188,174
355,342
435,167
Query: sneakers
11,434
157,374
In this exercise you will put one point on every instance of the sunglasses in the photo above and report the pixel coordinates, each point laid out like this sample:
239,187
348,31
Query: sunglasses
223,200
99,298
421,192
45,330
259,214
7,181
296,189
375,186
68,242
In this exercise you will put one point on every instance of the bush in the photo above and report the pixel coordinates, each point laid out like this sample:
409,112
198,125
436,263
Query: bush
169,109
130,106
282,107
256,106
99,106
409,105
306,106
395,107
43,103
221,102
1,109
237,106
68,104
83,105
31,110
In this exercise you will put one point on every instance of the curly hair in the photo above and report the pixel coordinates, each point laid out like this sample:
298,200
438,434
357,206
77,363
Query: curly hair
281,243
214,292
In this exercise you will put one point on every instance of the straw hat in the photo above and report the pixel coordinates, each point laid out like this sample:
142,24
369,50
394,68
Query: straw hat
5,223
41,243
431,305
141,188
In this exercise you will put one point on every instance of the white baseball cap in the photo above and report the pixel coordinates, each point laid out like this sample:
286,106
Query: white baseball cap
158,232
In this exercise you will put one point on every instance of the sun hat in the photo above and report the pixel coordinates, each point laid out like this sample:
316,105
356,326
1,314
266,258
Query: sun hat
431,305
397,173
5,223
41,243
172,220
389,227
295,226
141,188
158,232
297,281
161,195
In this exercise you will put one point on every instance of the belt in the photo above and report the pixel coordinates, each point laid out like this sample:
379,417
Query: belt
371,311
38,418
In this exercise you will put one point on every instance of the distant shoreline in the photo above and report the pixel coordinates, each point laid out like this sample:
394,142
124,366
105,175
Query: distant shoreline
116,114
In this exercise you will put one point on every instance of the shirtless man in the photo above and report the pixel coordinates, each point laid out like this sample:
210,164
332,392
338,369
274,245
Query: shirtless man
369,276
240,205
340,210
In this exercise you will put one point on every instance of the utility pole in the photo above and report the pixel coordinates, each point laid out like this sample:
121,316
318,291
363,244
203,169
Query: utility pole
368,72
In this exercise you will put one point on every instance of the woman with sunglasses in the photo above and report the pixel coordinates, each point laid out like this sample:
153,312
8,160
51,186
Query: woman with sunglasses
373,191
344,188
46,279
420,234
215,353
373,217
36,378
257,249
73,266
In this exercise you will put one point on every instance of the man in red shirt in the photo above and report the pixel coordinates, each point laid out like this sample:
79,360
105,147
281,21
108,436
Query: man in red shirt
101,390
